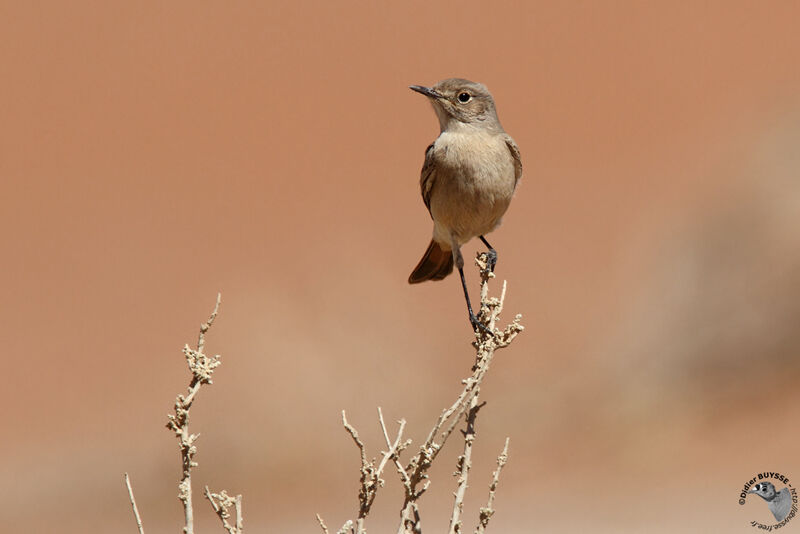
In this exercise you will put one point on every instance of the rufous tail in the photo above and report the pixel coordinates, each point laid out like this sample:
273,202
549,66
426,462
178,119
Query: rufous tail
434,265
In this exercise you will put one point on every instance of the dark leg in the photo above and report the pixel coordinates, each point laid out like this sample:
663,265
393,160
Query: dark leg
492,254
476,324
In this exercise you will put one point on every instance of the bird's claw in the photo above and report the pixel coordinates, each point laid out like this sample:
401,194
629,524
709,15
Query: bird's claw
491,259
478,325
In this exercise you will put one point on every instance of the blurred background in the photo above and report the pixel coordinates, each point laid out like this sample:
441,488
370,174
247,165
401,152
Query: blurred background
153,154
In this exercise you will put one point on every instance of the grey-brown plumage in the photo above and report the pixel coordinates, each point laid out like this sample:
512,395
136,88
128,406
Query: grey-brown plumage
779,503
468,179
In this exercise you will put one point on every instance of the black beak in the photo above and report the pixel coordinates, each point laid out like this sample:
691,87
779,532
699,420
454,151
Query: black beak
427,91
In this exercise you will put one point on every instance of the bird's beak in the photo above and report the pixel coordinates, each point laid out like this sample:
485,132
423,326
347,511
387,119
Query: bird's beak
427,91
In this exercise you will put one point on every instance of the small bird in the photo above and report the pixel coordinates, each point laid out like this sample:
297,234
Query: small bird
779,503
468,179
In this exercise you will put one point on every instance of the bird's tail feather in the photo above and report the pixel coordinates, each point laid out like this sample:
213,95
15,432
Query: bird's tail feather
435,264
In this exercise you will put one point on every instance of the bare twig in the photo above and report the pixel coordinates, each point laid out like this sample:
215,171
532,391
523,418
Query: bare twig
221,502
133,505
415,473
394,449
463,465
239,517
202,368
369,479
397,448
370,475
487,512
322,524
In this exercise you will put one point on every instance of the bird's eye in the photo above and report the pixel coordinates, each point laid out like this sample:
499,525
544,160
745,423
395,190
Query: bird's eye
464,98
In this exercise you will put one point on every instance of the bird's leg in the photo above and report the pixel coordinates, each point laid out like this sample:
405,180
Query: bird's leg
473,319
491,254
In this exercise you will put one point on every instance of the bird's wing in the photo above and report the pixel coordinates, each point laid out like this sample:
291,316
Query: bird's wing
427,177
514,149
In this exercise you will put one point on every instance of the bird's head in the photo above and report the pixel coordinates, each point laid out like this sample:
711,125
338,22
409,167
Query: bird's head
765,490
459,102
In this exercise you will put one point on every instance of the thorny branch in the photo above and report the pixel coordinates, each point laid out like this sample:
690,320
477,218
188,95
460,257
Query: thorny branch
202,367
487,512
221,502
485,346
463,465
370,474
413,475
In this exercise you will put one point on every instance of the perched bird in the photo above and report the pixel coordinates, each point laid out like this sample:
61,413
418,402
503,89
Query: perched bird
469,176
779,503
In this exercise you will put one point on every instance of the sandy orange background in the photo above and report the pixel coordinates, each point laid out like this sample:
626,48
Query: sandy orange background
154,153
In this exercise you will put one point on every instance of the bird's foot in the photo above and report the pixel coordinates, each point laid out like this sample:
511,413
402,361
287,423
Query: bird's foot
477,325
491,259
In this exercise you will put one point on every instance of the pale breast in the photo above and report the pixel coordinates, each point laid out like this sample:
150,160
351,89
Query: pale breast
474,183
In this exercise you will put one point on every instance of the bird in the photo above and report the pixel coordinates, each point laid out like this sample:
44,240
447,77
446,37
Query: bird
468,178
779,503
